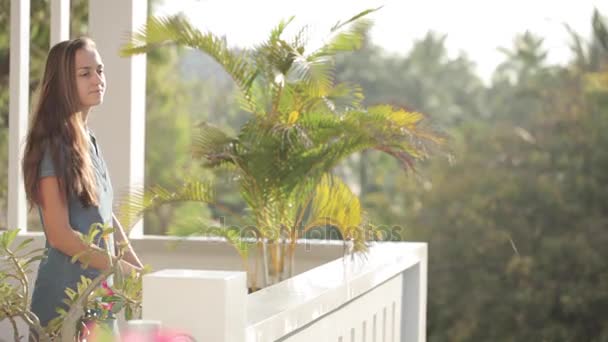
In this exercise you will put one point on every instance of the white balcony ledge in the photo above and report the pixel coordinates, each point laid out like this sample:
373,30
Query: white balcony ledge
330,299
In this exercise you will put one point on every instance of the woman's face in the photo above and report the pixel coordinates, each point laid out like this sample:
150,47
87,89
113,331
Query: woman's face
90,78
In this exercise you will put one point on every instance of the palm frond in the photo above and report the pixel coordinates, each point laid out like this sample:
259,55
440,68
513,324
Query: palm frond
316,69
277,31
335,205
600,29
396,131
576,46
313,162
323,128
315,72
354,18
132,206
300,39
344,96
399,117
348,40
254,101
212,145
178,30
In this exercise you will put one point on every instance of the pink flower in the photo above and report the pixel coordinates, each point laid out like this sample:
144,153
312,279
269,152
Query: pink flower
164,335
107,306
108,289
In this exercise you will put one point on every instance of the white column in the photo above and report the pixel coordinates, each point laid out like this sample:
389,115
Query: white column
18,110
208,305
413,314
120,122
60,21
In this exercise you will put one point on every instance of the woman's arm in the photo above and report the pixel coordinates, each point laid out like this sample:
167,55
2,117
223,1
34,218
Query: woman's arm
120,238
61,236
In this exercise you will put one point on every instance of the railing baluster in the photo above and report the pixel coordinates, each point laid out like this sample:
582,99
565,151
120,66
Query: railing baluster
384,324
374,330
393,328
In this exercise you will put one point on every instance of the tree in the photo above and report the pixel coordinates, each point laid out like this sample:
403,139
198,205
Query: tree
517,224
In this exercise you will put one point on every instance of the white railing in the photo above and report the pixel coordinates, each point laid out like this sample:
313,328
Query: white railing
381,297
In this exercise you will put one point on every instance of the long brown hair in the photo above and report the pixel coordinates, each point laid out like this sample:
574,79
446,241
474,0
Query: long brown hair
57,125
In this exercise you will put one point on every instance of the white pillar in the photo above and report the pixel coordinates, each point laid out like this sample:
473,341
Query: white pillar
208,305
120,122
413,314
60,21
18,110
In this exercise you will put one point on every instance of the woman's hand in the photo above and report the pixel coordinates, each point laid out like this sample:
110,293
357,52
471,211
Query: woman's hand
121,239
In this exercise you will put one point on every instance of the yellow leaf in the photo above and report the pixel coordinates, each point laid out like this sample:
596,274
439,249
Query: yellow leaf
406,119
293,117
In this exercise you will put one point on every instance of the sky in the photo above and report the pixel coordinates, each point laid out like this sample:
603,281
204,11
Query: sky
474,27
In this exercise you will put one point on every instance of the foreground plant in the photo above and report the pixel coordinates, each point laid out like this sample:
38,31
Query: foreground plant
302,125
16,263
90,296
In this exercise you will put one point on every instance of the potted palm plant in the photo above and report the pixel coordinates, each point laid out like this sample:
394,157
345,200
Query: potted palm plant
302,125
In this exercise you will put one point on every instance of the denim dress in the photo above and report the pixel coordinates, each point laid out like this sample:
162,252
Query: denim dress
56,272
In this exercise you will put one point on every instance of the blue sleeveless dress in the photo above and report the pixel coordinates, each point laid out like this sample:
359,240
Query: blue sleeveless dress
57,272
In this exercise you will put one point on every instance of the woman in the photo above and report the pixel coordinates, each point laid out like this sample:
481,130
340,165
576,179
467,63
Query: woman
66,177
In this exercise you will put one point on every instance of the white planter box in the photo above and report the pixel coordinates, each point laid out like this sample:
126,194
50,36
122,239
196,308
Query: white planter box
381,297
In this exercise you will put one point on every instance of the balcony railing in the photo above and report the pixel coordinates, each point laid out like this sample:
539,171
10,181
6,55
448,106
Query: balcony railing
199,288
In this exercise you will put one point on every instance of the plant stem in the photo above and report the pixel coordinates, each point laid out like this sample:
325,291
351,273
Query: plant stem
254,278
264,262
68,327
22,278
34,323
14,324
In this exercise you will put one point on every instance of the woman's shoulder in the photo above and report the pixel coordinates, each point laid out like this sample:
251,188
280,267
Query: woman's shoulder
54,153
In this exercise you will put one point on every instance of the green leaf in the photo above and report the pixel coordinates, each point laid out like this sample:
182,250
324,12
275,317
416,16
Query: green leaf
77,256
128,313
34,259
212,145
117,306
23,244
70,293
334,204
356,17
8,237
95,229
41,251
112,298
